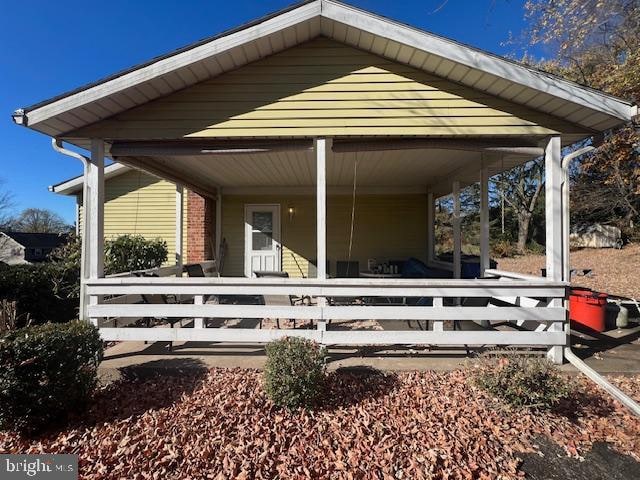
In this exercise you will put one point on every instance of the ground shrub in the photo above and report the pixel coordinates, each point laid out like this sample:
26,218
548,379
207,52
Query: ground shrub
46,371
40,292
521,380
503,248
129,253
294,374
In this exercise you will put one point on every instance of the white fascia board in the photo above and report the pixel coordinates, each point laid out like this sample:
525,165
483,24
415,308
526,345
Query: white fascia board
167,65
73,186
476,59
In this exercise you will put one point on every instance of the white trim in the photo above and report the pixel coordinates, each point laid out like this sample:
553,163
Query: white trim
476,59
73,186
331,190
329,337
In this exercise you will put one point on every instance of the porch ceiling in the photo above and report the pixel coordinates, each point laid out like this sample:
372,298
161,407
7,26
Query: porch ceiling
433,167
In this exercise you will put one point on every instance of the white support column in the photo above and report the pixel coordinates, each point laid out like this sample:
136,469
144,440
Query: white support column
553,220
179,229
484,219
321,145
431,227
94,216
457,232
218,223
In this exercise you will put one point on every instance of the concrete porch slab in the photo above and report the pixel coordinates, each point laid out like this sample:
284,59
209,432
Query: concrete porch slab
613,352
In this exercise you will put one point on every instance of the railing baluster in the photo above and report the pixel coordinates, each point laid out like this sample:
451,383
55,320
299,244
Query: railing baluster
199,321
438,326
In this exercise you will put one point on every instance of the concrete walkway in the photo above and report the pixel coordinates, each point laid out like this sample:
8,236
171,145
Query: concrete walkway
614,352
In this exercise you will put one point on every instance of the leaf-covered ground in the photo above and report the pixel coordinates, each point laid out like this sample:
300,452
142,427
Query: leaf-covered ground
219,424
613,271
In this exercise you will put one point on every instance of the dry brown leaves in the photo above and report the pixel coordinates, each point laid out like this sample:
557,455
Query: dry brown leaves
614,271
412,426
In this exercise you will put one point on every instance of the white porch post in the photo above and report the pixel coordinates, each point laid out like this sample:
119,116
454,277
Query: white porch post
553,219
484,219
94,218
321,146
457,232
218,224
179,229
431,235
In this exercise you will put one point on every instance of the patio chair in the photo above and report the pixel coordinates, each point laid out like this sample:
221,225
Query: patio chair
162,299
282,300
346,269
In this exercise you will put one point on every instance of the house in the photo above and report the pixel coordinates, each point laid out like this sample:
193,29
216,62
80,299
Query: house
321,134
25,247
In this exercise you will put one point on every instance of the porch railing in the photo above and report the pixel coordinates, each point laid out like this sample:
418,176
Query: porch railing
451,300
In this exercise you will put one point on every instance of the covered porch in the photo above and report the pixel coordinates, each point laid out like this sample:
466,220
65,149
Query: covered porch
311,189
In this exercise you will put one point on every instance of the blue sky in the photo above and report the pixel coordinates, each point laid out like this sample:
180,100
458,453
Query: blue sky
49,47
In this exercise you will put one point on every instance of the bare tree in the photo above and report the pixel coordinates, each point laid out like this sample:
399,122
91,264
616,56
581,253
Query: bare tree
39,220
6,202
521,188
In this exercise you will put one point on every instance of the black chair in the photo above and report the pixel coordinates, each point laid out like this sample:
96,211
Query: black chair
347,269
161,299
281,300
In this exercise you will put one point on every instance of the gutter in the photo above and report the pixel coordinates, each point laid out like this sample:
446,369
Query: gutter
56,144
590,373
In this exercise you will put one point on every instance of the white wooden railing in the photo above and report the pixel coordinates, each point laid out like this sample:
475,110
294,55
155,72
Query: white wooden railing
446,295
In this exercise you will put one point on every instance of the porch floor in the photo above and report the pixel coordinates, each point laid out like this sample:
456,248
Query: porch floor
613,352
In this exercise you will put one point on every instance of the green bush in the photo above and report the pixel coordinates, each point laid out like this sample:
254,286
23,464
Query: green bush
294,373
40,292
46,372
521,380
128,253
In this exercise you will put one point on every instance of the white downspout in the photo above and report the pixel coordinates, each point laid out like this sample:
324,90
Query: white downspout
57,146
566,274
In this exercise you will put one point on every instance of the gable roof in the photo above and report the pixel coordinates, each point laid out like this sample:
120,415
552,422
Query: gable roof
73,186
434,54
38,240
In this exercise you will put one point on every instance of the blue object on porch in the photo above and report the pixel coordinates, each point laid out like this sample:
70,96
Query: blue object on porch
414,268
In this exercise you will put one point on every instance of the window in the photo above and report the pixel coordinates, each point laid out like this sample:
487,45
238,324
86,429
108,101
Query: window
262,231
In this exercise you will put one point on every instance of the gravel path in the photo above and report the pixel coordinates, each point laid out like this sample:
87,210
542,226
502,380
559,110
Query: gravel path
616,272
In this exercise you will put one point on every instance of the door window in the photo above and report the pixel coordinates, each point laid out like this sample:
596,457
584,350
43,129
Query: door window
262,231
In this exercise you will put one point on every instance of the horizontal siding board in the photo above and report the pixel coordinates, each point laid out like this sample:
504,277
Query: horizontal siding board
337,90
137,203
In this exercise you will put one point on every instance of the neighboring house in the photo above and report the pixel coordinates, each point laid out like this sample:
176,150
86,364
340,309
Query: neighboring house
320,135
22,247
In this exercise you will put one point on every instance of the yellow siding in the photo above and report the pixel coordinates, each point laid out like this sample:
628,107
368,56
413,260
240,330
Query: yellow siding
389,227
325,88
141,204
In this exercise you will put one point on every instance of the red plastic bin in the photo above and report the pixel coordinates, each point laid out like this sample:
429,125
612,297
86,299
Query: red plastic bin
588,308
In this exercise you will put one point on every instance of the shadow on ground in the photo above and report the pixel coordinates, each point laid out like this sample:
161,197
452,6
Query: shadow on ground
350,385
600,463
165,382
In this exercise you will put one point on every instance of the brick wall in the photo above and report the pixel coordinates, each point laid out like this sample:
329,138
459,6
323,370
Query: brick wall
200,226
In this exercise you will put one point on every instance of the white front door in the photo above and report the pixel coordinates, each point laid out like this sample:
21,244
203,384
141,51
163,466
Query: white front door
262,249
